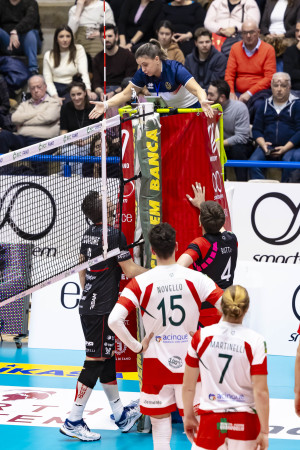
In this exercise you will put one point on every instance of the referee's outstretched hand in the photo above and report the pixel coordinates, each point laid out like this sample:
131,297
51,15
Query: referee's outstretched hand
207,109
97,111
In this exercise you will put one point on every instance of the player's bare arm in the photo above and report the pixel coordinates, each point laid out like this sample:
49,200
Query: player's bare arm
116,100
188,394
82,272
185,260
261,399
131,269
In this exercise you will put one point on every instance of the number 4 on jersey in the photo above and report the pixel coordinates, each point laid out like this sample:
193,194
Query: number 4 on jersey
226,275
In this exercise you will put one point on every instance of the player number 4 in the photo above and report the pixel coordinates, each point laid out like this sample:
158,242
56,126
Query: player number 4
173,307
226,275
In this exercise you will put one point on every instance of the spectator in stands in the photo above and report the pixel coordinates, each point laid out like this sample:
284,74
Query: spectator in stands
205,63
250,67
278,23
73,116
20,30
36,119
276,127
63,62
136,22
165,33
291,62
236,125
94,169
120,62
185,16
116,8
225,17
5,116
85,19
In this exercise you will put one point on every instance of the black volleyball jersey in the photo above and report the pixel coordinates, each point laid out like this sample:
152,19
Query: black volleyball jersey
101,288
215,255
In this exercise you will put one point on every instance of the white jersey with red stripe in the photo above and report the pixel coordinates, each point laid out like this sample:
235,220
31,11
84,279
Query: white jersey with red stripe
169,297
228,355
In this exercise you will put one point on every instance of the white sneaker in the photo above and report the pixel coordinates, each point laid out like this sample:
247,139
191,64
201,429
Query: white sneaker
130,415
79,430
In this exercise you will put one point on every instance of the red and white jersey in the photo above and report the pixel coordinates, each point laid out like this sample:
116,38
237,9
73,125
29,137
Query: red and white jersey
170,301
227,355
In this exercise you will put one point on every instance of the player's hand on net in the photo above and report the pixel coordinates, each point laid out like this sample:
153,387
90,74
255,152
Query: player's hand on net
207,109
97,111
145,342
199,195
190,427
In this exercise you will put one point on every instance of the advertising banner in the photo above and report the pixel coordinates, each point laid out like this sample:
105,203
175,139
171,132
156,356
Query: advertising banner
148,148
43,214
266,221
189,155
274,303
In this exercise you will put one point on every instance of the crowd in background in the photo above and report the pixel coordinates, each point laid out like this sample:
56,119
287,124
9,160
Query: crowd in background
232,48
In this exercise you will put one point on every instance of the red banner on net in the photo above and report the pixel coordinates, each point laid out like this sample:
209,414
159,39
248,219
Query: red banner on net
125,358
189,154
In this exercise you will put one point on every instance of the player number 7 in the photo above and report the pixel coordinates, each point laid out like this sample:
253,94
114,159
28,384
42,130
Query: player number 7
228,357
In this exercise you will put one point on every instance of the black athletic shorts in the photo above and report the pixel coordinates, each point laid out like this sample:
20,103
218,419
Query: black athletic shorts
99,339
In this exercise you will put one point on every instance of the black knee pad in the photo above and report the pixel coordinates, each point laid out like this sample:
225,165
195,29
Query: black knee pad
109,371
90,373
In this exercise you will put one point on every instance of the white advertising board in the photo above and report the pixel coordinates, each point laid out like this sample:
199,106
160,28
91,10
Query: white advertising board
266,219
54,319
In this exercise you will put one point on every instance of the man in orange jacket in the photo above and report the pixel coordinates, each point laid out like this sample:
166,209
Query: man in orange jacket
250,66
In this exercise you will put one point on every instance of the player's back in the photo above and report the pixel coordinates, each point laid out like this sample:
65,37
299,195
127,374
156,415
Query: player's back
170,299
229,354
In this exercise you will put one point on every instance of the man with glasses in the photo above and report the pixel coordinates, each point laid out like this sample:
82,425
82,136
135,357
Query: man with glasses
250,66
276,127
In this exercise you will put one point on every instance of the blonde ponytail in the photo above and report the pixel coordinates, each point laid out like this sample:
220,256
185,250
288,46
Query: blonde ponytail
235,302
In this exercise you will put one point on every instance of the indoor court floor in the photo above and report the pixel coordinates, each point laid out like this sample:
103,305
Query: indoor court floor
37,390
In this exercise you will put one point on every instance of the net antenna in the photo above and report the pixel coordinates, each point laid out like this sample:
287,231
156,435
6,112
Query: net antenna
103,149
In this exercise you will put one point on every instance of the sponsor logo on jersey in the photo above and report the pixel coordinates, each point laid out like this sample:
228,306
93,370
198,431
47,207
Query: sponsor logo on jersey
225,426
91,240
171,338
89,343
93,301
223,397
150,85
212,397
175,362
90,277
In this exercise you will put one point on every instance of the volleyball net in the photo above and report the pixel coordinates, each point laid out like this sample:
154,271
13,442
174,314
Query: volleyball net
42,188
